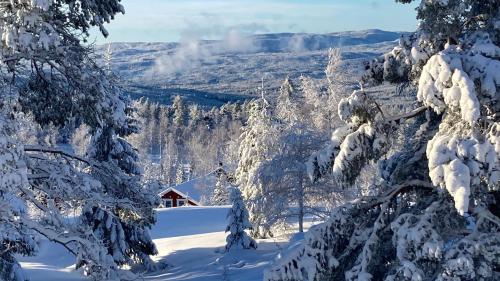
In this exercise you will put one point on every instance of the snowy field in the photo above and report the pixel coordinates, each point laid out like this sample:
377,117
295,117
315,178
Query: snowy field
189,240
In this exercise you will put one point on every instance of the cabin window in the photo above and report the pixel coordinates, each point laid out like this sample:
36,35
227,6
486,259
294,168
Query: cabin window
181,202
168,203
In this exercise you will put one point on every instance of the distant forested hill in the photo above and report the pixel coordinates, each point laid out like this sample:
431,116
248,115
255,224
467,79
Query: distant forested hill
211,73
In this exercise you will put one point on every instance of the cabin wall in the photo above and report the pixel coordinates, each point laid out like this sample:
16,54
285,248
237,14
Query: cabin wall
175,196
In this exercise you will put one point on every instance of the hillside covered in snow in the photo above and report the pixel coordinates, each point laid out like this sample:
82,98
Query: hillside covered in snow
214,72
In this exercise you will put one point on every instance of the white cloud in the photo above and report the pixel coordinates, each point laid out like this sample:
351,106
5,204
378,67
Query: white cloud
193,51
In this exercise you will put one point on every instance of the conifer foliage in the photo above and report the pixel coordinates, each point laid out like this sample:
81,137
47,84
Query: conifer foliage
255,147
49,77
221,192
431,219
238,223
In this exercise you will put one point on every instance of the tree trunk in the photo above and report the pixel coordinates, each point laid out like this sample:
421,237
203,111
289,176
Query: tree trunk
301,206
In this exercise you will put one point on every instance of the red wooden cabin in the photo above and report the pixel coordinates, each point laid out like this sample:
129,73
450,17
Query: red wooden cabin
172,197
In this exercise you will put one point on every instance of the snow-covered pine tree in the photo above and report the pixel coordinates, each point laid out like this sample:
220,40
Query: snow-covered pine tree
432,218
195,115
220,195
286,105
237,224
124,229
53,77
179,111
256,140
179,174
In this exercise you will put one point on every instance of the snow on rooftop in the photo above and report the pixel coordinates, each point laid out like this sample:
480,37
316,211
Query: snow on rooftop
195,188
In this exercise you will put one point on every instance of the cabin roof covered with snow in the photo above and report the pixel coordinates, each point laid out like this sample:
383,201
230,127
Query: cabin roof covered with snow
193,189
190,189
183,195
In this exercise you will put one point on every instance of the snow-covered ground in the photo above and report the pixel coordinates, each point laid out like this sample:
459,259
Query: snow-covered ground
189,240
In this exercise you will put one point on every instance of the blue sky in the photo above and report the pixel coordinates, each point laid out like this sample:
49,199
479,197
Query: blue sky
173,20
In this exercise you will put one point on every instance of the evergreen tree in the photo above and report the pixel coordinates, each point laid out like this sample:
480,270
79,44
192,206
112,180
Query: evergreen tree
431,219
220,195
179,174
179,111
53,79
256,140
124,230
238,223
195,115
286,105
164,128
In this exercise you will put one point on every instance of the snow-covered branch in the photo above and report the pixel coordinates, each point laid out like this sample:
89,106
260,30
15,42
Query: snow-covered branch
33,148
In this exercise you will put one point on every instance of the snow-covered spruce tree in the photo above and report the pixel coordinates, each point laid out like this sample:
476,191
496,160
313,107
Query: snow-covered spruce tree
220,195
286,105
179,174
54,79
195,115
432,218
123,229
256,140
237,223
179,111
